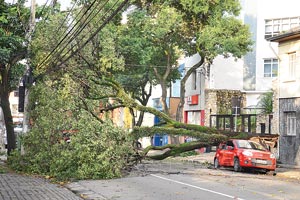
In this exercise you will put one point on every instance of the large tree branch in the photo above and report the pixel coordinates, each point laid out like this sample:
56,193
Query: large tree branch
17,57
173,149
89,110
150,131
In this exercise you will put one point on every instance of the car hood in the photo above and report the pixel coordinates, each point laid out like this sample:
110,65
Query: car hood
259,154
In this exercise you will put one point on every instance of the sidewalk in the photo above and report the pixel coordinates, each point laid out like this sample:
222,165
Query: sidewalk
21,187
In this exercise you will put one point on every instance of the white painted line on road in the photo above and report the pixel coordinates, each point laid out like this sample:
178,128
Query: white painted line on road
200,188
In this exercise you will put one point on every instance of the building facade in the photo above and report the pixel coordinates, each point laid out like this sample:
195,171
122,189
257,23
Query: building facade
288,94
194,107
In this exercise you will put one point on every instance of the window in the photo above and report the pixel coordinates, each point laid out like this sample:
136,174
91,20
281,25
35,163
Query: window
292,65
194,80
229,143
270,67
194,117
275,26
290,123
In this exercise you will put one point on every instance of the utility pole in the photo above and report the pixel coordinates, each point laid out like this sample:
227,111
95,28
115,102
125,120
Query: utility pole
28,76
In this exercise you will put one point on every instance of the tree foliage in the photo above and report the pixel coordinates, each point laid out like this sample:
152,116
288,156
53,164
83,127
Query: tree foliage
14,25
266,102
209,28
151,43
66,99
97,150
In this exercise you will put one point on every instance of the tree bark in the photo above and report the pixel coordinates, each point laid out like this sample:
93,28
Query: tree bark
164,97
11,138
173,150
4,103
144,101
163,82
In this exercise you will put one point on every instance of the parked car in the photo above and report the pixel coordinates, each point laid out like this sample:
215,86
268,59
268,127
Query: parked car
243,154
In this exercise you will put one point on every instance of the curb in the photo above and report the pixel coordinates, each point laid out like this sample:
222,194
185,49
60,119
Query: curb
84,192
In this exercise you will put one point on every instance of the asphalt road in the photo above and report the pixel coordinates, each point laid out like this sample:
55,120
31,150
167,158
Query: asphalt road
178,181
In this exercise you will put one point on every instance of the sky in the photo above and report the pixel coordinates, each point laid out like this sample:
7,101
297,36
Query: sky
64,3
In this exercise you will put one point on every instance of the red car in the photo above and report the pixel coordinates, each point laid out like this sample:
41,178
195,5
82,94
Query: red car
241,154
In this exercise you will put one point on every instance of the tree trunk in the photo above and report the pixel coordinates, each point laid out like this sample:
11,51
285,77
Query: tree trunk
4,103
144,101
174,149
164,97
11,139
179,111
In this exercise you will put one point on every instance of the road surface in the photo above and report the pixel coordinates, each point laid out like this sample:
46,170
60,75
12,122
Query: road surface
178,181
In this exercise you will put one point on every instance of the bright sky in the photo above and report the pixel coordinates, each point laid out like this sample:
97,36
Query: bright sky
64,3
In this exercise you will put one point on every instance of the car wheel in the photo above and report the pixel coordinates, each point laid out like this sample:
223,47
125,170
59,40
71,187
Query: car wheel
216,163
273,173
236,165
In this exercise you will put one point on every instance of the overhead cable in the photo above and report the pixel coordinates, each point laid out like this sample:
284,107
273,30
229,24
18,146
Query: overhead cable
114,13
70,32
77,32
105,22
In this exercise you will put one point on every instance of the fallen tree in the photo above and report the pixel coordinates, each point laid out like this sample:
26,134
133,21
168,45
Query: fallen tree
203,136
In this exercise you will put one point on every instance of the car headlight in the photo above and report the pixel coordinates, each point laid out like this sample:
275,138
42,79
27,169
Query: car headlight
247,153
272,155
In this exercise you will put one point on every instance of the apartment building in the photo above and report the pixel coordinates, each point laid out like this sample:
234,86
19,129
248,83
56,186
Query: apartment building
288,95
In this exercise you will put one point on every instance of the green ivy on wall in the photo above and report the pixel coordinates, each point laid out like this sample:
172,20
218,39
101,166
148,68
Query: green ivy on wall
224,100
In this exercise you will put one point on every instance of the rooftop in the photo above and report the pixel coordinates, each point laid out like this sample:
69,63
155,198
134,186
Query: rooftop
293,33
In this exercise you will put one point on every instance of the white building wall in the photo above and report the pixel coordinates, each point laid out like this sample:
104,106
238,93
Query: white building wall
226,73
270,9
289,86
200,84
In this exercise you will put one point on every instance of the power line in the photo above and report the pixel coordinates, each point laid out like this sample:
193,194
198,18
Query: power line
156,66
66,35
44,7
80,29
105,22
119,8
69,12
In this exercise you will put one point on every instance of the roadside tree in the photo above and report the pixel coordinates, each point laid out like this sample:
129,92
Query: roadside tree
209,28
69,136
83,85
14,24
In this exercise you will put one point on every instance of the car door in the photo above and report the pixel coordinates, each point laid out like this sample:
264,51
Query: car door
220,153
228,155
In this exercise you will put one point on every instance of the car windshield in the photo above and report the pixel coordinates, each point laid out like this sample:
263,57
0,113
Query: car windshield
246,144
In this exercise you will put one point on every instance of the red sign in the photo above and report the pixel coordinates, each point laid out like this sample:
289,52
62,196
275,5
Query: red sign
192,100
